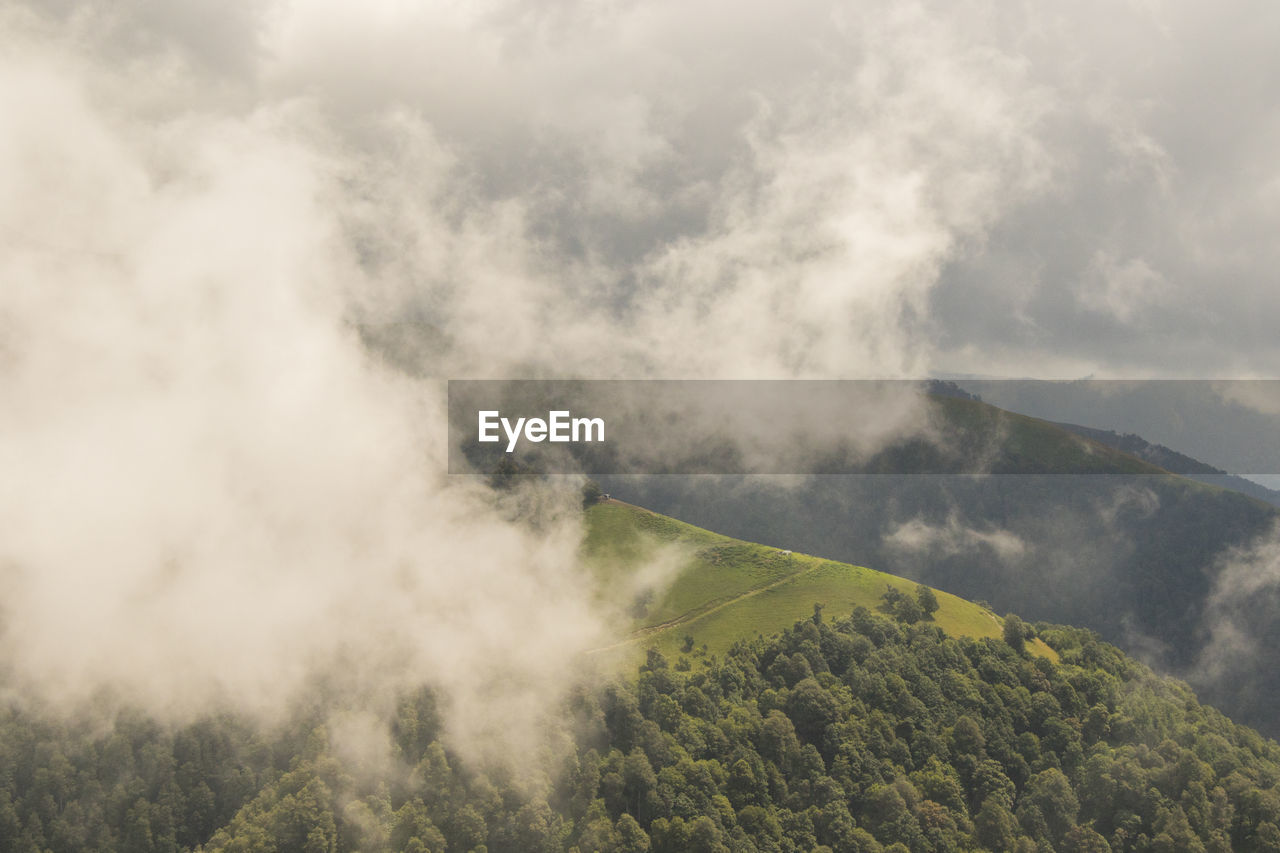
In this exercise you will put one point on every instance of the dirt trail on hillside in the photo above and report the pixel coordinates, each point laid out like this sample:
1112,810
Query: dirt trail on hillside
695,615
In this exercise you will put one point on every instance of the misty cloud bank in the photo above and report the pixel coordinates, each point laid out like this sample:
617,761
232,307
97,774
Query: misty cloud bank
1240,626
243,246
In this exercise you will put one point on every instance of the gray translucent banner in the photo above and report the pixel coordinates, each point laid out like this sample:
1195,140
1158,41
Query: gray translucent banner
1208,429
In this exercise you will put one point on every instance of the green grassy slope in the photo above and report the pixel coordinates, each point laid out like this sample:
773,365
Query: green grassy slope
719,590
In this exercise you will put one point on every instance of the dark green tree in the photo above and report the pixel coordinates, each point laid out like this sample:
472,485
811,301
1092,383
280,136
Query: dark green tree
1015,633
927,600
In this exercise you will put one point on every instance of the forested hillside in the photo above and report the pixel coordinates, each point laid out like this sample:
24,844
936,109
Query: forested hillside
1064,530
856,733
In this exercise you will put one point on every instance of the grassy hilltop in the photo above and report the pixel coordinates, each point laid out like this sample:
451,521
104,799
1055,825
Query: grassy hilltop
721,590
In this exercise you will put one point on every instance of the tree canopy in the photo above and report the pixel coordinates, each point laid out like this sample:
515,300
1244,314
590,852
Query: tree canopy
861,733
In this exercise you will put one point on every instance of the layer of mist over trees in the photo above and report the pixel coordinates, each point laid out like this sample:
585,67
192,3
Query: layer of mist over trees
859,734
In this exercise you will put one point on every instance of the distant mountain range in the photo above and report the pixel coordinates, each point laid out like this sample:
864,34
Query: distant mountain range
1135,445
1173,461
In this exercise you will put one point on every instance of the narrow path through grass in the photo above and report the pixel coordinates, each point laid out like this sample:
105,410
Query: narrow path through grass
699,613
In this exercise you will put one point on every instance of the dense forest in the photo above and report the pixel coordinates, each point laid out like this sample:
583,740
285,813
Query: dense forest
860,733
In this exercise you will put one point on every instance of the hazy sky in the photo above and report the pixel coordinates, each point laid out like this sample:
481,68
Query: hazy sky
829,189
241,244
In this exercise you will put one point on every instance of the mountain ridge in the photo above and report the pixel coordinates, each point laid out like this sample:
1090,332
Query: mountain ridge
1174,462
1130,550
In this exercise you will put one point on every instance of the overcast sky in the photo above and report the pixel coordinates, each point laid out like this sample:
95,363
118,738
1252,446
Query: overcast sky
715,188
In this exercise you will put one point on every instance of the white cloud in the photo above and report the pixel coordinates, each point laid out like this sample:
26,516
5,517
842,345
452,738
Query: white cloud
1121,289
918,536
